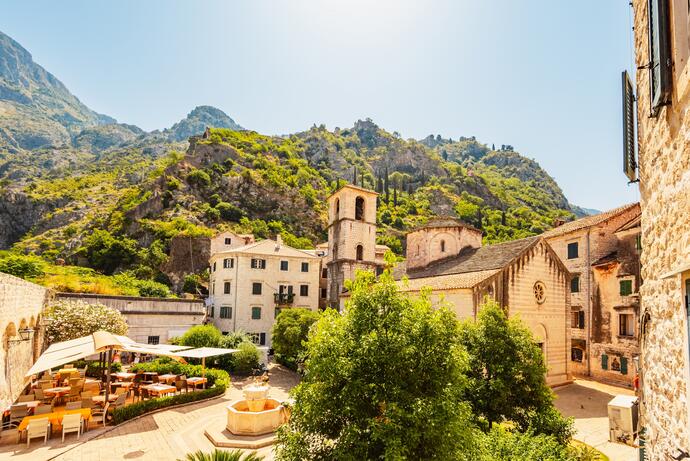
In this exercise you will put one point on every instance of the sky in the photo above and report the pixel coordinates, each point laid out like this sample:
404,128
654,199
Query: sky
540,75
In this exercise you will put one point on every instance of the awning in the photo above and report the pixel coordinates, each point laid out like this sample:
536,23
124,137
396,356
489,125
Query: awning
101,341
203,352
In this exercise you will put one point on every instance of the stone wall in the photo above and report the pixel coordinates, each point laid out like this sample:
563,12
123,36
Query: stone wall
21,306
424,245
159,317
664,164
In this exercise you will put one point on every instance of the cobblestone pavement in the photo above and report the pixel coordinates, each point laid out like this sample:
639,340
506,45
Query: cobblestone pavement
167,435
586,401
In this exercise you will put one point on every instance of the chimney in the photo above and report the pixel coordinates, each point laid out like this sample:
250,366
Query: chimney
279,242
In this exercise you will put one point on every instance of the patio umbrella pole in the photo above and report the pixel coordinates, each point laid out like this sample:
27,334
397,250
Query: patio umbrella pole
203,369
107,383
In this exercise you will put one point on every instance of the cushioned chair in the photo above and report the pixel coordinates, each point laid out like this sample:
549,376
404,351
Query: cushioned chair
38,428
17,413
181,386
87,402
73,405
99,415
26,398
42,409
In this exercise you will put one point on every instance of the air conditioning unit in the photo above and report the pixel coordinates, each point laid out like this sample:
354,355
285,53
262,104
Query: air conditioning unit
623,412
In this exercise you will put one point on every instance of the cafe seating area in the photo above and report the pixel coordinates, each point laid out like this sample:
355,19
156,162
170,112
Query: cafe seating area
65,402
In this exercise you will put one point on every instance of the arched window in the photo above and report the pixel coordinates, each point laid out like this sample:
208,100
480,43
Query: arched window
443,246
359,208
337,208
360,252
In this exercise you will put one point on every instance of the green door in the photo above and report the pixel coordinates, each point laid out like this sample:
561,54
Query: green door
604,362
624,366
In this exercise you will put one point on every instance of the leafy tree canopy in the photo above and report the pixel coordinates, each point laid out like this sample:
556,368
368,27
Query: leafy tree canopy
70,319
289,333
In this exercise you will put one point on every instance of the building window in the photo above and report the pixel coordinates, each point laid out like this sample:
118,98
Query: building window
226,288
626,325
283,265
337,208
360,252
228,241
154,339
258,263
225,312
577,320
575,284
660,68
304,290
214,266
638,242
573,250
256,288
305,267
211,310
324,293
604,362
539,292
258,338
443,246
576,354
626,287
228,263
324,273
256,313
359,208
379,270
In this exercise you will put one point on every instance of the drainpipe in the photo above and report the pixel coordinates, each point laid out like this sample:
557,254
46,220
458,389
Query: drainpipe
237,288
589,306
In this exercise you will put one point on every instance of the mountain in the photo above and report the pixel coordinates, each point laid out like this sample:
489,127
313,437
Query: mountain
77,185
36,109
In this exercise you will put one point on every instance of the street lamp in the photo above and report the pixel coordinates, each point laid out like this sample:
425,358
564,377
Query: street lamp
24,335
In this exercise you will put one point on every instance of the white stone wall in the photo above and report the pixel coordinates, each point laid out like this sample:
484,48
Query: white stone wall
21,305
664,163
241,299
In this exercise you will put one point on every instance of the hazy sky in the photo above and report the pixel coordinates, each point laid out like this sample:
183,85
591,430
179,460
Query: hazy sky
541,75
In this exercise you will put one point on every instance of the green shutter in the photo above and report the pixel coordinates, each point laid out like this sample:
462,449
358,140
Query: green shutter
624,366
604,362
625,287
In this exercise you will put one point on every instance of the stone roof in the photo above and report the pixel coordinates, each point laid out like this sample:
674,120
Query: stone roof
588,221
609,258
475,259
446,282
445,221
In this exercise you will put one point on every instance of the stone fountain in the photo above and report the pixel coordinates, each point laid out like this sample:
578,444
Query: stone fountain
257,414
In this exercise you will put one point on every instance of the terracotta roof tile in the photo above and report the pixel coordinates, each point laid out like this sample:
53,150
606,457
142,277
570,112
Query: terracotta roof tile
588,221
446,282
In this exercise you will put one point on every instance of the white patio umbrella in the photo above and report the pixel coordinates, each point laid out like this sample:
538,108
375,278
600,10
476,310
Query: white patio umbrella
202,353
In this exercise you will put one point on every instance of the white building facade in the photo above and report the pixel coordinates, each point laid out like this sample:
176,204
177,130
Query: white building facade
250,284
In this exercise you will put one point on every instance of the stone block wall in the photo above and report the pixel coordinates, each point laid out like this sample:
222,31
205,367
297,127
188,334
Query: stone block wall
424,245
21,306
664,170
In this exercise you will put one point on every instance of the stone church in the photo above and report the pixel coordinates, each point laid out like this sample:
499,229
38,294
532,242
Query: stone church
525,276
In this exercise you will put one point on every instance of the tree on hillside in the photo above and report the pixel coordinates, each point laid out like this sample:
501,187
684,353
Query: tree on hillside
70,319
383,381
289,333
507,374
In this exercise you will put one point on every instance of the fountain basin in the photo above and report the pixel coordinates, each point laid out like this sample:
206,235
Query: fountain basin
243,421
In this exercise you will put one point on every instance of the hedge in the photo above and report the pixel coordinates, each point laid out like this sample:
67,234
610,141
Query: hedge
218,380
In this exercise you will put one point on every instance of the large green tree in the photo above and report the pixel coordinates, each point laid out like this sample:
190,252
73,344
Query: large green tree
507,374
384,380
289,333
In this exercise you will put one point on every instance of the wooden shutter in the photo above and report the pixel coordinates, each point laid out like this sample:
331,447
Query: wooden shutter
624,366
581,319
604,362
629,157
659,54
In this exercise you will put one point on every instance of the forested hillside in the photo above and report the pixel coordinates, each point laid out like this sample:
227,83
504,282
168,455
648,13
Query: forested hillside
111,197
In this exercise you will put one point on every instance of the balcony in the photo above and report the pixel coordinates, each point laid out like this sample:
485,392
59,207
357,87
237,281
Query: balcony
283,299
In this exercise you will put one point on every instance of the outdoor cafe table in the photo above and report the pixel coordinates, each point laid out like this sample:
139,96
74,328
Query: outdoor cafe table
54,417
29,405
167,379
195,381
160,389
59,391
124,375
101,398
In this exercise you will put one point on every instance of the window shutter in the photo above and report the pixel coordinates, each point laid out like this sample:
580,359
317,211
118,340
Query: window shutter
604,362
581,319
659,54
629,158
624,366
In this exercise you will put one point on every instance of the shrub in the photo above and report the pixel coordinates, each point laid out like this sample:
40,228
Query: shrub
222,455
501,444
199,178
246,359
215,377
107,252
230,212
22,266
290,330
70,319
201,336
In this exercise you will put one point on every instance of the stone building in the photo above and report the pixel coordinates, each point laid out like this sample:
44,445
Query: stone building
229,240
601,253
663,123
250,284
150,320
524,276
21,308
351,237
